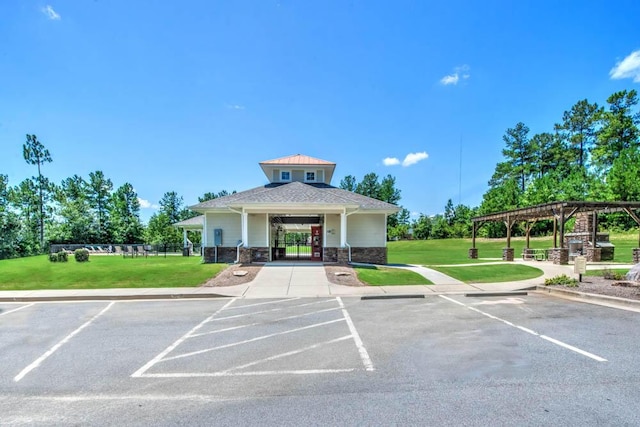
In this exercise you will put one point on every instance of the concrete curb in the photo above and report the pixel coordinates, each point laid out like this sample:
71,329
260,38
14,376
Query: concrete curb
597,299
392,296
110,297
496,294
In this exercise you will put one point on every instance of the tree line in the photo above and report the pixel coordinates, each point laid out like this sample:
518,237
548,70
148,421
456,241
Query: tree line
591,154
85,210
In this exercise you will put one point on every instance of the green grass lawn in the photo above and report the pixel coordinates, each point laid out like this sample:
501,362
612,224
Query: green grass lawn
455,251
105,272
491,273
380,276
601,273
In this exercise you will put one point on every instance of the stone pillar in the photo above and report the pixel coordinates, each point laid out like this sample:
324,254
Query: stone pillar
245,255
473,253
594,254
343,255
559,256
636,255
507,254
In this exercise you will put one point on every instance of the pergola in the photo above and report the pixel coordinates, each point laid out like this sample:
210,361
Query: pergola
559,212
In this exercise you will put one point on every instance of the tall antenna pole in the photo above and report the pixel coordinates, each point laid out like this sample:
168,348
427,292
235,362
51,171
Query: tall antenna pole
460,175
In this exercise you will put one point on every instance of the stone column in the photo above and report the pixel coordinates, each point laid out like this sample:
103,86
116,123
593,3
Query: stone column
559,256
473,253
245,255
343,255
594,254
636,255
507,254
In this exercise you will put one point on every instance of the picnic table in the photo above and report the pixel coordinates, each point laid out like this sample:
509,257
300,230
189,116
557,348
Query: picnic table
537,254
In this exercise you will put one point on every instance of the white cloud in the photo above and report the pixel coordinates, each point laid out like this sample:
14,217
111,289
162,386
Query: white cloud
628,68
450,79
413,158
145,204
458,72
234,107
391,161
51,14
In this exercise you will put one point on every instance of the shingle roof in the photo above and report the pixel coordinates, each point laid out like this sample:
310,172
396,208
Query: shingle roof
193,222
296,193
297,159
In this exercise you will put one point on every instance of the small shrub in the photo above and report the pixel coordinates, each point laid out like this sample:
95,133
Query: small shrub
612,275
62,256
563,280
81,255
53,257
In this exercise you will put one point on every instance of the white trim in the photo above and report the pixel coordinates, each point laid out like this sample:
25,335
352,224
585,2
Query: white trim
343,229
204,234
245,228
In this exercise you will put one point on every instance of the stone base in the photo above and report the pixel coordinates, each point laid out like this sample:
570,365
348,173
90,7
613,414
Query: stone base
259,254
225,254
330,255
593,254
559,256
507,254
369,255
473,253
636,255
343,256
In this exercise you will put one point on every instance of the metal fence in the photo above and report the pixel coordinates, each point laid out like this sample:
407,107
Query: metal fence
131,249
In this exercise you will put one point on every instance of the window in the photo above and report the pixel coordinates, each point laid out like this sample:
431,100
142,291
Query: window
285,176
310,176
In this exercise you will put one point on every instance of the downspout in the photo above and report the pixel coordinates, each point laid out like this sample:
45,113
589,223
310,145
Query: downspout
238,252
240,242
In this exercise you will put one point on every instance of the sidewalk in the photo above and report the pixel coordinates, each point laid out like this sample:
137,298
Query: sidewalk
277,280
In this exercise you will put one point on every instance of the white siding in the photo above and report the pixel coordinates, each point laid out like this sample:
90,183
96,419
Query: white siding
297,175
276,175
231,225
319,175
366,230
257,230
332,222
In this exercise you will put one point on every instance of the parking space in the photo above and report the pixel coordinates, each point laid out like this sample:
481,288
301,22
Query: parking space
227,356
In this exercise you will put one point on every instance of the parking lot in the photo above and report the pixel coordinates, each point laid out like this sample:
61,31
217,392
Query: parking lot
443,359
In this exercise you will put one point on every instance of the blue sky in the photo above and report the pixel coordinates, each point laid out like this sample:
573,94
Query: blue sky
190,95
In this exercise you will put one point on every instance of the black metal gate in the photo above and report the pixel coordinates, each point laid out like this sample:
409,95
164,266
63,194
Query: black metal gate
292,246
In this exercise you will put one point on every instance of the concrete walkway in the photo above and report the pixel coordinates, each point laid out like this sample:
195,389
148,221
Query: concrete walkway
276,280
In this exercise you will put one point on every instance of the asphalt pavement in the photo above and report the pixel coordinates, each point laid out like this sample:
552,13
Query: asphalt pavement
439,360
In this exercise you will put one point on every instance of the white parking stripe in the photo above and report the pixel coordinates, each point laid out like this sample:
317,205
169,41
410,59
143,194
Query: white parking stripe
364,355
263,303
16,309
288,353
249,374
53,349
169,349
552,340
207,350
235,316
263,323
572,348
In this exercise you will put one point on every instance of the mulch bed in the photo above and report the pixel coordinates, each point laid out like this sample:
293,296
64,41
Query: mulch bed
227,278
346,275
602,286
